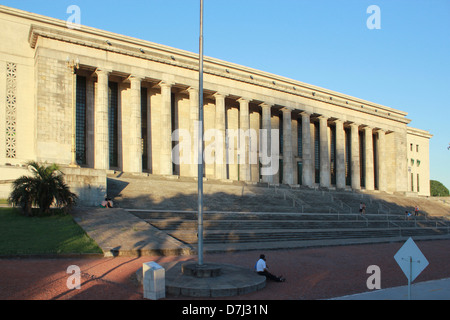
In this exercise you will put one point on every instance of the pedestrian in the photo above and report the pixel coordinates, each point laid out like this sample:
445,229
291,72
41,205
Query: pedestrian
262,269
416,211
107,203
360,207
363,208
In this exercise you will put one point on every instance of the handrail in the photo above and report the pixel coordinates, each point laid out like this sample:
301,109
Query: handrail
287,194
380,207
396,225
365,218
344,204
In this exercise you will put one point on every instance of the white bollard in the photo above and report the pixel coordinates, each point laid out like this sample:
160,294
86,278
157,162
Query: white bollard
153,276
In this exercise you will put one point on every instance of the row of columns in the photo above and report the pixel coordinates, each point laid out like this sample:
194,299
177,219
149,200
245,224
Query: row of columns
135,149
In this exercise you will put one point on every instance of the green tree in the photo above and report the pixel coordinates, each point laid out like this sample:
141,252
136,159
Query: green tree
438,189
44,188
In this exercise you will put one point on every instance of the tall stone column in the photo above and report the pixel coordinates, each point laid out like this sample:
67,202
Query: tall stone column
267,126
355,170
288,177
134,130
307,165
101,135
369,174
340,154
294,139
193,130
166,167
244,154
220,154
325,174
381,156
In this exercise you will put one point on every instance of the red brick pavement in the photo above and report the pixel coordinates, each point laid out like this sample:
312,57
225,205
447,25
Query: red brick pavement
311,273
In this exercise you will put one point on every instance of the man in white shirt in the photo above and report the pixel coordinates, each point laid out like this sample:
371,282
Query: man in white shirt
261,269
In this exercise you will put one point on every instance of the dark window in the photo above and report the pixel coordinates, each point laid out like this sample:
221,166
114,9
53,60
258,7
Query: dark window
348,157
144,128
333,155
113,106
80,136
280,127
317,152
299,139
375,161
362,158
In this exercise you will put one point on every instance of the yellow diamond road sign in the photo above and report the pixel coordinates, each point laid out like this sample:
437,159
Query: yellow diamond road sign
411,260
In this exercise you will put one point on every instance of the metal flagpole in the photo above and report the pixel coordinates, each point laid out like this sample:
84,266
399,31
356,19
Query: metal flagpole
200,144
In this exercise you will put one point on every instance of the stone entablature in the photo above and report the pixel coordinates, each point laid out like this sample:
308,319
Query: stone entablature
186,60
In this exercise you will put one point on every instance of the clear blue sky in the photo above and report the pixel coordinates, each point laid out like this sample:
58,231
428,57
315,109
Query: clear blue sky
404,65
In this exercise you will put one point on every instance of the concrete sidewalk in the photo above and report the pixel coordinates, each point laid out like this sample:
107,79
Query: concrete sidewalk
428,290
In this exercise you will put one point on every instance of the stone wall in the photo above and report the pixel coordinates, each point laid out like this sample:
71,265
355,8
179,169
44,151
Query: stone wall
88,184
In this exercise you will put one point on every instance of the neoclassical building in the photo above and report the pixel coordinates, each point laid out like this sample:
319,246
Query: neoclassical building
93,101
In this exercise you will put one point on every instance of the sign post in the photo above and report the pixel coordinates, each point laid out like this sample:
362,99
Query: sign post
412,262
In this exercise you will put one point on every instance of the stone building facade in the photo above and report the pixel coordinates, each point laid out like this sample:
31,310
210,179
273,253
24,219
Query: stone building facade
105,101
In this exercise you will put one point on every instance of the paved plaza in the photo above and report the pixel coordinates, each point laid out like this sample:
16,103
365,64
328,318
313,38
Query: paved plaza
311,273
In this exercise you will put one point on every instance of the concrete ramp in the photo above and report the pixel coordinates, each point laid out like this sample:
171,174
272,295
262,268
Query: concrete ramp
120,233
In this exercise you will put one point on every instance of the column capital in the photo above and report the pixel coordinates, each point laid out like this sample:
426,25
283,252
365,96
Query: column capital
192,89
338,121
102,71
132,77
305,113
354,124
244,100
166,84
286,110
265,105
379,130
219,95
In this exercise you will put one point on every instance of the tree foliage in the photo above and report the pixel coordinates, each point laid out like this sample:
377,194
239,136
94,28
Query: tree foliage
437,189
44,188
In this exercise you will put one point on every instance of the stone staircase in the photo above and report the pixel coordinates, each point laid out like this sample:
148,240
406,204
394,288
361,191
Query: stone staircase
141,192
244,228
243,217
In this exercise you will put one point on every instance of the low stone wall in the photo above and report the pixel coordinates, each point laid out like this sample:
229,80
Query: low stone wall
88,184
7,175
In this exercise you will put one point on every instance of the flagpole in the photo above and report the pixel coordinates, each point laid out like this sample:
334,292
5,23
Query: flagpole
200,144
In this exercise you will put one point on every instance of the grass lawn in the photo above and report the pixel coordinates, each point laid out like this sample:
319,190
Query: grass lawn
57,234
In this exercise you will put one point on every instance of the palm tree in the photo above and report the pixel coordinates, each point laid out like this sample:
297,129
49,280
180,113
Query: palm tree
44,188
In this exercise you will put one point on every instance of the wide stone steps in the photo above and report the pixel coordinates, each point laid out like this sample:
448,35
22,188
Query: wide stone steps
270,235
272,216
175,224
238,227
238,216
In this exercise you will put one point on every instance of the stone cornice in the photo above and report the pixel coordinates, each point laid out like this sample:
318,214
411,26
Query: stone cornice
55,29
418,132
